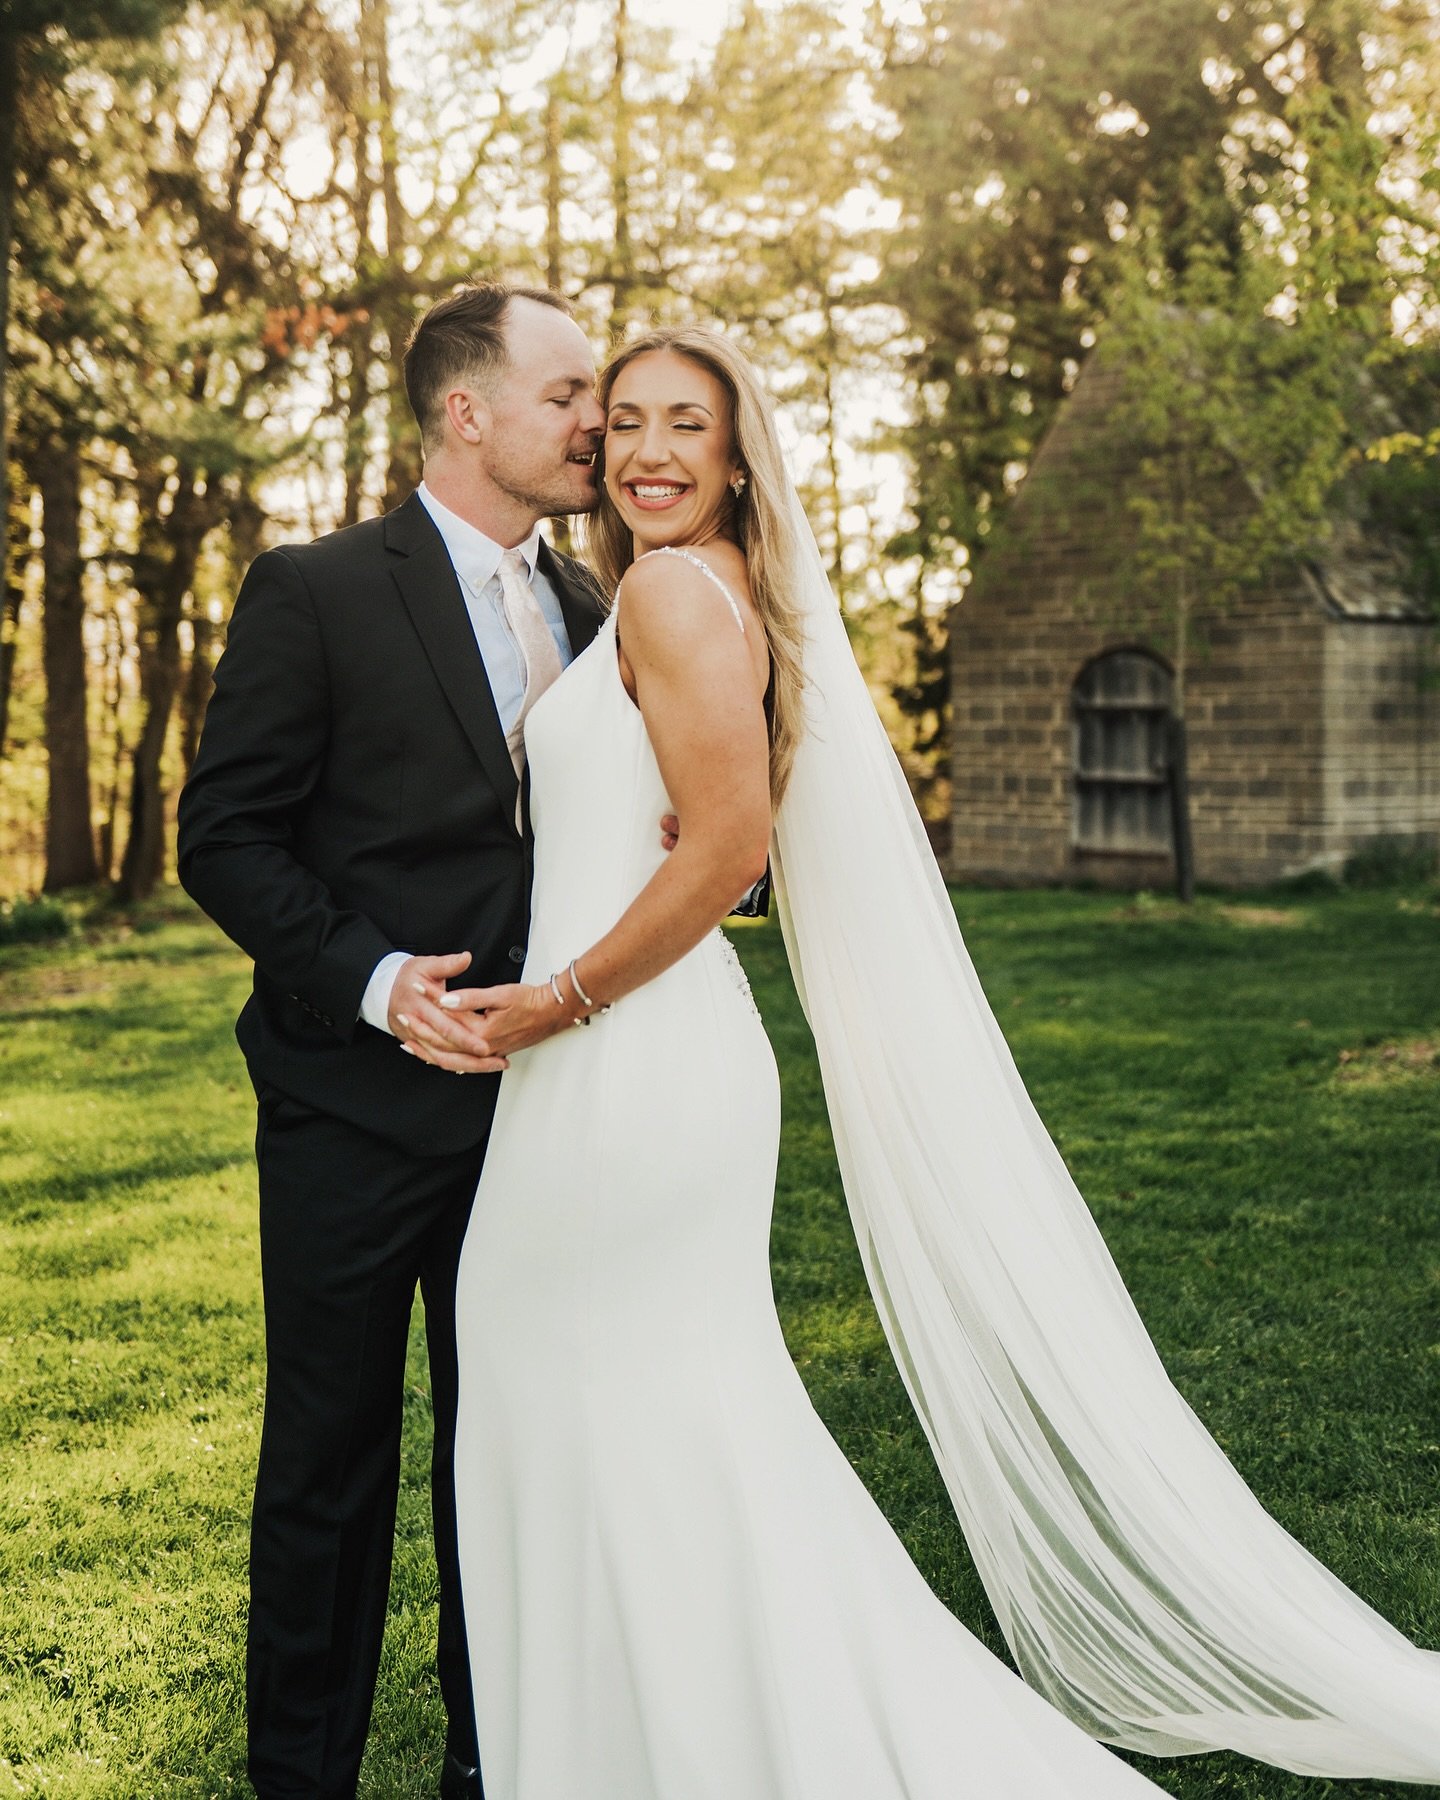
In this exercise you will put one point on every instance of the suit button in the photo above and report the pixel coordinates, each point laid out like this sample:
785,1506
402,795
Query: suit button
516,953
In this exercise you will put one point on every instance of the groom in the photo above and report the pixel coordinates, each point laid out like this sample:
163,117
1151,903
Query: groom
352,822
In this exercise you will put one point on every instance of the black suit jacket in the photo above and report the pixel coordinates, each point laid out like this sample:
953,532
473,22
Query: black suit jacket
353,795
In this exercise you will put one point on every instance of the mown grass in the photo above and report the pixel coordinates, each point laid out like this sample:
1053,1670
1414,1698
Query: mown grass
1249,1095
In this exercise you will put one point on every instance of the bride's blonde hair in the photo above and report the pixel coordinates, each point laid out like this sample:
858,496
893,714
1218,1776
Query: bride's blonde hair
759,520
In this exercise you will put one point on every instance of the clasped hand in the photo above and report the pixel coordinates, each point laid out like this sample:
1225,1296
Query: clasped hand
475,1031
478,1029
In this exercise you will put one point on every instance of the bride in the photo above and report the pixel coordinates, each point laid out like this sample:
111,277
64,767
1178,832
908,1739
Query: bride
676,1588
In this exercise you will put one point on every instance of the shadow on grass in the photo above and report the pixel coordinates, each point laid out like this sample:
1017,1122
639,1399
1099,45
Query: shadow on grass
1276,1222
31,1197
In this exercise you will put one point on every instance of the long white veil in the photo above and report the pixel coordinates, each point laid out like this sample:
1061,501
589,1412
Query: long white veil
1140,1585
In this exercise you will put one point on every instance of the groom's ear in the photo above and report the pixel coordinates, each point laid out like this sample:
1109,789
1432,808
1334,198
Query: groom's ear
468,414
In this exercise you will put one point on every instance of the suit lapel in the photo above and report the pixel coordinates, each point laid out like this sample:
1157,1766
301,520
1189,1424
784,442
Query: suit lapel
431,592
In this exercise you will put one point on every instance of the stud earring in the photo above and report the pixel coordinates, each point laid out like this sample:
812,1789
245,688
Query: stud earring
737,485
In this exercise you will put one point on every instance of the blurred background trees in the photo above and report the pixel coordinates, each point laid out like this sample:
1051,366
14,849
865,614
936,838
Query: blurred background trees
918,214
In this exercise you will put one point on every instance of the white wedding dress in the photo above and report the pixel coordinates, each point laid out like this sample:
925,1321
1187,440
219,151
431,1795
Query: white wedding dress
676,1587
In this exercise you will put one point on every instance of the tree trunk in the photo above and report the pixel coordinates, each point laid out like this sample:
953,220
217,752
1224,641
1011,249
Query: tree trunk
1177,752
199,680
1178,771
623,271
361,330
402,475
114,740
554,244
170,569
9,92
69,834
12,595
832,457
357,423
248,520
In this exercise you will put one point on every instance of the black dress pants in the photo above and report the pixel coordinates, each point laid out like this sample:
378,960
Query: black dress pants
348,1225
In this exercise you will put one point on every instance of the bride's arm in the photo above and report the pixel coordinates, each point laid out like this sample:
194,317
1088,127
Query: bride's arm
700,689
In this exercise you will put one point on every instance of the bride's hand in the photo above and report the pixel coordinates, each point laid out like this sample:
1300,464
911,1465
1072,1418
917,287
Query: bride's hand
506,1019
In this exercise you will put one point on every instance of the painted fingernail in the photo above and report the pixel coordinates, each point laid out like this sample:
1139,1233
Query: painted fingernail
450,1001
408,1051
402,1019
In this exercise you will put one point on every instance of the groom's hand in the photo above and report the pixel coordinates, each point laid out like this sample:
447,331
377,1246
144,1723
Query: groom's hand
430,1031
510,1018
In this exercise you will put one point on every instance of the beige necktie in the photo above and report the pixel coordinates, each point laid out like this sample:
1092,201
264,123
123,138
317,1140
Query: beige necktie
537,646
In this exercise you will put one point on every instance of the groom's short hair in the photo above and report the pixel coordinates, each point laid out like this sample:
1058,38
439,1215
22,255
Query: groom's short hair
462,338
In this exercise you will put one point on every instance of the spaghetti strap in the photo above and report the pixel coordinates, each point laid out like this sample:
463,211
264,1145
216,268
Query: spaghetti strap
704,568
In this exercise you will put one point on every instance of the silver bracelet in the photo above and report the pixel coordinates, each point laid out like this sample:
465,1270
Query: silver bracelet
585,999
555,990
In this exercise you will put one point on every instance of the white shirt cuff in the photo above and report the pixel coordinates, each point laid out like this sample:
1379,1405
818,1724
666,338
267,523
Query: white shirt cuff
375,1007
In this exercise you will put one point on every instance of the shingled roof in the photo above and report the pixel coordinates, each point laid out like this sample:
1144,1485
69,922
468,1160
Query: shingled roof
1359,575
1356,571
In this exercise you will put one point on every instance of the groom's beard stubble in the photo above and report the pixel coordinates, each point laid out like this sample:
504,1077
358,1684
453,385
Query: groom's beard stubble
572,489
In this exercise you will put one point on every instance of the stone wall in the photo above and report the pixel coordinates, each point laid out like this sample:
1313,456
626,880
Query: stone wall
1016,647
1256,736
1048,599
1381,751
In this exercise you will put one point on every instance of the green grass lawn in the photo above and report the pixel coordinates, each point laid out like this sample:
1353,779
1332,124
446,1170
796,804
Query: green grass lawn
1248,1094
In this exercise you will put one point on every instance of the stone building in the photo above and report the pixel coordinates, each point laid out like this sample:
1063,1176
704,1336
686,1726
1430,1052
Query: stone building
1312,727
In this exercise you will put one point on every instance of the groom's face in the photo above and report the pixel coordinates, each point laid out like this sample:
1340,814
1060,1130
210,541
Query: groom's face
541,423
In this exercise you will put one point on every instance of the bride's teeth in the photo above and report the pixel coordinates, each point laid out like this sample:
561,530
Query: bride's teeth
657,493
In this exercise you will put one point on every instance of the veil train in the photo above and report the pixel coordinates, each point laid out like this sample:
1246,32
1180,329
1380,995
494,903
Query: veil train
1140,1586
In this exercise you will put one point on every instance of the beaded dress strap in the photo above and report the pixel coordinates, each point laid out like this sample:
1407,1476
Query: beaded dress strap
704,568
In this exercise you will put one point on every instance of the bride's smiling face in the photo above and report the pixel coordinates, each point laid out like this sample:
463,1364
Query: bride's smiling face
669,450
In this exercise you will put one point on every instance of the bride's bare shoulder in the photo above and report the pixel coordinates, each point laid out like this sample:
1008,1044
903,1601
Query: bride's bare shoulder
679,584
724,559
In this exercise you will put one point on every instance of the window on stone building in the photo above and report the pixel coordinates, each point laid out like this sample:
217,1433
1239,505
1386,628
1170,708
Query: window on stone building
1121,709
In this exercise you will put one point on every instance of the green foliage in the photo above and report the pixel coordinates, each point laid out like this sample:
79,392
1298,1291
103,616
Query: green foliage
1397,491
225,235
777,145
1030,132
1310,884
88,19
228,214
1241,1090
1238,426
33,921
1037,135
1383,862
923,699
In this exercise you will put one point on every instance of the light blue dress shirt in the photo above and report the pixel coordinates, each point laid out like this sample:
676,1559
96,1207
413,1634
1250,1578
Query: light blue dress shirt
476,561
